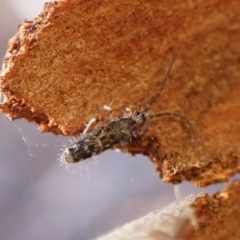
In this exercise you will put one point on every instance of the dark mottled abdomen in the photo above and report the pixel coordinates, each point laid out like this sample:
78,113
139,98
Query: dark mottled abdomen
101,139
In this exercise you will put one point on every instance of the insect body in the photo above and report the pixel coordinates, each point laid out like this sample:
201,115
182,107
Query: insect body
106,137
125,130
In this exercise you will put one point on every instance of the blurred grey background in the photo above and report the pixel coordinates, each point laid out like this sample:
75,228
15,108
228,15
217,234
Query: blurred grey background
39,199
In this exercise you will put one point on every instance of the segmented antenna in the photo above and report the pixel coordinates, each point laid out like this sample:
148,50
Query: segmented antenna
162,86
193,136
169,113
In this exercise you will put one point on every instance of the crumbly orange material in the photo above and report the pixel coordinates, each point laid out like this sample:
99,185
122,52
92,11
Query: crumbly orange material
200,217
77,55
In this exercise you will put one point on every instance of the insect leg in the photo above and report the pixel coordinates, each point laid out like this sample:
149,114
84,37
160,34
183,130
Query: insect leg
180,116
93,120
109,109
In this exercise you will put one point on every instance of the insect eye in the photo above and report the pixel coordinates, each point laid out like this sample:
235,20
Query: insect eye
72,148
138,114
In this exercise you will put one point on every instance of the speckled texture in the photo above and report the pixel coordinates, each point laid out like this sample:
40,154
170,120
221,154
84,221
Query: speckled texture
79,55
200,217
219,214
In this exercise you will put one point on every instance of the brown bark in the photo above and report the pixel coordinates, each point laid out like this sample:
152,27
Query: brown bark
197,217
78,55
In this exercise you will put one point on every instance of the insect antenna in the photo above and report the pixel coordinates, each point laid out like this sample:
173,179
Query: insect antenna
180,116
169,113
162,86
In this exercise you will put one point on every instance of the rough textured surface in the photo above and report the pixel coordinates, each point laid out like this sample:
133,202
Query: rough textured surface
176,221
199,217
79,55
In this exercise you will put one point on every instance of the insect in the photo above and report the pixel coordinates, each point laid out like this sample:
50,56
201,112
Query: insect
126,129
